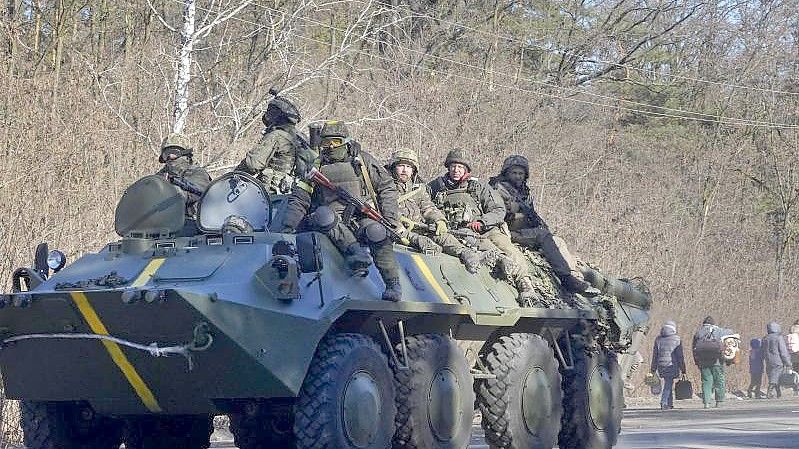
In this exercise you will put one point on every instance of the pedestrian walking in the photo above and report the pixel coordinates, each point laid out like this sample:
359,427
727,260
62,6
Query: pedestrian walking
707,351
776,358
755,369
668,361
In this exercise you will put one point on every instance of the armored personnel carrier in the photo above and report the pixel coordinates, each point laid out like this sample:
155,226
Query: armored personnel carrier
148,339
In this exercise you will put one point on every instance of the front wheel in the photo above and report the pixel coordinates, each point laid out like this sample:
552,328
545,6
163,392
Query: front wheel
168,432
347,398
593,401
67,425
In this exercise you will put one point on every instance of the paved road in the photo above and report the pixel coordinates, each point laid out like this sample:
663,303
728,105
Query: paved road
739,425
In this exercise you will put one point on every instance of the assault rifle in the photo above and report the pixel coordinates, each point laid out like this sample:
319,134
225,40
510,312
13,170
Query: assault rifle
370,212
526,209
184,184
431,228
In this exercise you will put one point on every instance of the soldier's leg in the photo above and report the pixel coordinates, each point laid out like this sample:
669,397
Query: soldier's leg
554,249
376,236
424,244
520,273
328,222
450,244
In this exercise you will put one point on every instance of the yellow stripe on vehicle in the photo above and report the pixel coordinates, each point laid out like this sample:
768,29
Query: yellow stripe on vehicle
133,377
148,272
417,258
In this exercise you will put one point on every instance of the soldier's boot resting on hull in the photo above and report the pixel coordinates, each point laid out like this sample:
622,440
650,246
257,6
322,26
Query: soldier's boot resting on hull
393,291
358,260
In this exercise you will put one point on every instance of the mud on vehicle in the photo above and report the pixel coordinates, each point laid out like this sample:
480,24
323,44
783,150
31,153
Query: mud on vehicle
146,340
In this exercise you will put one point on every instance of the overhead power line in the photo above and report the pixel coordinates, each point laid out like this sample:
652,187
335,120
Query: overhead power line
690,115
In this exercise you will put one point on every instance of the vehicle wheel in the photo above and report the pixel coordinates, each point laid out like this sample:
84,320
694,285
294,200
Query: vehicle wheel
262,428
593,401
435,396
347,398
167,432
522,406
67,425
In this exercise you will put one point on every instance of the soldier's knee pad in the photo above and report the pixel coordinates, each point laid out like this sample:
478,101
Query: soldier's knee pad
374,233
324,219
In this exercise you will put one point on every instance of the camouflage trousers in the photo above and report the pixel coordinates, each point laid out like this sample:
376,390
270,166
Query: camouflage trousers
447,243
349,242
551,246
515,266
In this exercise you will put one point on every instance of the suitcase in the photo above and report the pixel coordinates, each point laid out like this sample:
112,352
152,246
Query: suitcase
683,389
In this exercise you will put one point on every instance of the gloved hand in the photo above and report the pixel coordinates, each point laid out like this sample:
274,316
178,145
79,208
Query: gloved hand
476,226
402,234
441,228
407,223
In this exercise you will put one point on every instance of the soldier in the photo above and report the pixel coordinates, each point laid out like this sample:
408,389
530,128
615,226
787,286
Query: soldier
472,205
417,211
528,228
276,159
180,170
342,162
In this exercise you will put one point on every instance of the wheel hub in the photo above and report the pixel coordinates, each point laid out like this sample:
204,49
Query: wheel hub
599,397
361,409
536,400
444,411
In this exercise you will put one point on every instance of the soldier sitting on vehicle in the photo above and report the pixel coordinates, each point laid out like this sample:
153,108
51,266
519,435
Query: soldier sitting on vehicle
426,225
179,169
281,154
471,205
528,229
357,172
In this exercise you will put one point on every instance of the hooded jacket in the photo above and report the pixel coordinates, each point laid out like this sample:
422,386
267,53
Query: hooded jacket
756,356
667,354
775,350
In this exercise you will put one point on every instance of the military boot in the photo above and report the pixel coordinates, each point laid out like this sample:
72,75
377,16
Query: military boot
574,282
358,260
393,291
471,260
527,294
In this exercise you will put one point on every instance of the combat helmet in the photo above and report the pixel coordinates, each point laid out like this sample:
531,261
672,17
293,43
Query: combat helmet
335,141
280,107
406,156
516,160
176,144
457,156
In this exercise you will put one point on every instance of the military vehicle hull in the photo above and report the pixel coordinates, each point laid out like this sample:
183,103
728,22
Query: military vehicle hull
153,333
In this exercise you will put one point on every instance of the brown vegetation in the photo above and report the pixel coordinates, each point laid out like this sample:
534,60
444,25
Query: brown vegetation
662,134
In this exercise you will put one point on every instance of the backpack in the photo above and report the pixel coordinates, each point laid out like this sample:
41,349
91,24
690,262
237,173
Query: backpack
708,348
793,342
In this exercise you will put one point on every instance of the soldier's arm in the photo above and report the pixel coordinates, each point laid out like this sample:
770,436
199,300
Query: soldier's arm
493,206
386,191
257,159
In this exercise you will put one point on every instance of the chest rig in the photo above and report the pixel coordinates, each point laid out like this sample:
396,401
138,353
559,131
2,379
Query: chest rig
460,204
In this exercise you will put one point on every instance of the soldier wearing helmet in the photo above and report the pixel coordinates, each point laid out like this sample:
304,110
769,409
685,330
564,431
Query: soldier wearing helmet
528,228
425,225
345,165
471,205
179,169
275,158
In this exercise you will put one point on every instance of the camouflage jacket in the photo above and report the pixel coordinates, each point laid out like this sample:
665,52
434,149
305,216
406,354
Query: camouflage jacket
183,173
519,205
274,160
415,204
467,201
305,198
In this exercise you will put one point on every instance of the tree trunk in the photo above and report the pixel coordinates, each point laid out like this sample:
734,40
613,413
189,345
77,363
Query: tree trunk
183,76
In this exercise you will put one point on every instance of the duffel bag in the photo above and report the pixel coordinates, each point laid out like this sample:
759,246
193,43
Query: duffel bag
683,389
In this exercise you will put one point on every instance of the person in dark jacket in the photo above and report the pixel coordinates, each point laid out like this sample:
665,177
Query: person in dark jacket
755,369
710,365
775,358
668,361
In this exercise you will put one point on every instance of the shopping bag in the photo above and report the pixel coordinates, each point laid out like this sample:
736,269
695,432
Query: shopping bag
683,389
654,384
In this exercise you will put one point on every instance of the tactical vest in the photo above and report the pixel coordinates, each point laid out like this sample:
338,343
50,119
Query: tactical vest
345,175
283,161
408,203
460,205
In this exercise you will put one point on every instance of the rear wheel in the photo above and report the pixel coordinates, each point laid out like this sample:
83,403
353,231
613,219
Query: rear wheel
522,406
167,432
435,396
67,425
347,398
593,401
